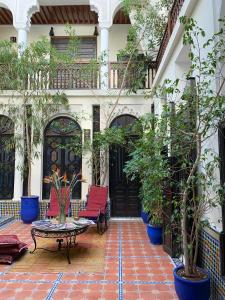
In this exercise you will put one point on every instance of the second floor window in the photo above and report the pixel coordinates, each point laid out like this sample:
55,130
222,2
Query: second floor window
87,47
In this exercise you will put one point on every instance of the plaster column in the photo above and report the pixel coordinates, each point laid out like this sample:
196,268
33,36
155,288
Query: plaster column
22,39
19,160
104,37
36,173
19,129
86,158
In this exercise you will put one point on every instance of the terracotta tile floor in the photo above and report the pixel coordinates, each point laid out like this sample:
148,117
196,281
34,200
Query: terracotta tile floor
134,269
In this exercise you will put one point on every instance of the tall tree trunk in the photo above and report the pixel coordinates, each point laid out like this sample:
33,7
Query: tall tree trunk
189,263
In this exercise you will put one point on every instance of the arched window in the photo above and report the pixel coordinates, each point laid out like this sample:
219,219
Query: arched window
62,149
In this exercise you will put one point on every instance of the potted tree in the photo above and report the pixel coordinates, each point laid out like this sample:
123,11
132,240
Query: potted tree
195,121
27,77
148,164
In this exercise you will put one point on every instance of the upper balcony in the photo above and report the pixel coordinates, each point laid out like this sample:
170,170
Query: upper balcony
95,38
83,75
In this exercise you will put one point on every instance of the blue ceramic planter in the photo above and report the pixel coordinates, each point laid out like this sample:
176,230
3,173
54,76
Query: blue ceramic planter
29,208
191,290
155,234
144,216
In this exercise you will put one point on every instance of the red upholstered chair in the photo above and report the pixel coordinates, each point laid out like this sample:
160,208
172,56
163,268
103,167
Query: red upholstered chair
96,207
53,209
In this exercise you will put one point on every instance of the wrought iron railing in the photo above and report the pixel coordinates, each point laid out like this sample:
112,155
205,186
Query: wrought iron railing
172,19
139,75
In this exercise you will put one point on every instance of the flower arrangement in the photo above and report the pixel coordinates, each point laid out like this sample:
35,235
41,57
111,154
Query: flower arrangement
58,183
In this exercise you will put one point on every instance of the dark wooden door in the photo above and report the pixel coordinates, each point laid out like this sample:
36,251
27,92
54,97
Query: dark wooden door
7,158
59,136
124,193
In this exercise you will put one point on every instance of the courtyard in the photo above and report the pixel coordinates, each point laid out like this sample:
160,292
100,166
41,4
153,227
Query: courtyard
120,264
113,111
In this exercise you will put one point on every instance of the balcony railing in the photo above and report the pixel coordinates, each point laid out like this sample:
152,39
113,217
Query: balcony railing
67,76
84,76
138,74
172,19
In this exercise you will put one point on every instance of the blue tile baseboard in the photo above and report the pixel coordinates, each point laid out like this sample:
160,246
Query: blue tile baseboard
12,208
209,258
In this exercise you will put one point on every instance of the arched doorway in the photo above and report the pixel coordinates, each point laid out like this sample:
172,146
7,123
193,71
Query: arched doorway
124,193
62,135
7,158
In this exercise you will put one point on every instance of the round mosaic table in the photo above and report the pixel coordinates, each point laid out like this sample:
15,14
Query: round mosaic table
69,234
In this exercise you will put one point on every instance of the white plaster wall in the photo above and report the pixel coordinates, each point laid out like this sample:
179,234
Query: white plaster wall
6,31
117,39
117,35
176,63
81,103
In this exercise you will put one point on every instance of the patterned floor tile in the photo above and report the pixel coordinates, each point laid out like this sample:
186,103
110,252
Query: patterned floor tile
133,269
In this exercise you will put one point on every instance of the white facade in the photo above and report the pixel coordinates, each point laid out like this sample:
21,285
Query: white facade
175,64
111,39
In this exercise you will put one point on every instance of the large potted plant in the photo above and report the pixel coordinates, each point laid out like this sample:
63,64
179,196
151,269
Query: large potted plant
27,78
148,165
192,125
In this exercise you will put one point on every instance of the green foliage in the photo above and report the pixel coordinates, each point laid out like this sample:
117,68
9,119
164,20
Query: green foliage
148,164
149,19
30,102
191,125
148,25
101,143
109,136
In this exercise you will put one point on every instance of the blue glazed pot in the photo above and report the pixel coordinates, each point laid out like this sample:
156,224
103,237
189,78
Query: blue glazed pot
191,290
155,234
29,208
144,216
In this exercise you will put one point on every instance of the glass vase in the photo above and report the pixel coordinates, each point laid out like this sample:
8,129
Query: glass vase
62,215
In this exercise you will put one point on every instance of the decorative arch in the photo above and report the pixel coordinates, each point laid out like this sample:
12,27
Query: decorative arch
6,4
7,157
124,193
124,121
60,136
116,6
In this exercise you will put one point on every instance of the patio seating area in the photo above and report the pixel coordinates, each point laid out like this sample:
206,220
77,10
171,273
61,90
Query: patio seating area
120,264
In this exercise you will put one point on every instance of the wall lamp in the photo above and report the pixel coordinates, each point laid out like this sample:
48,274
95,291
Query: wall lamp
51,32
96,31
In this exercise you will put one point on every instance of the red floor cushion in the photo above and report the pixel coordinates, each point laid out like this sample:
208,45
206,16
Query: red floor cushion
8,240
13,249
8,259
10,248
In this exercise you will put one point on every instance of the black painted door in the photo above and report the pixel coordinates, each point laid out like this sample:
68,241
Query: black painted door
124,193
58,153
7,158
